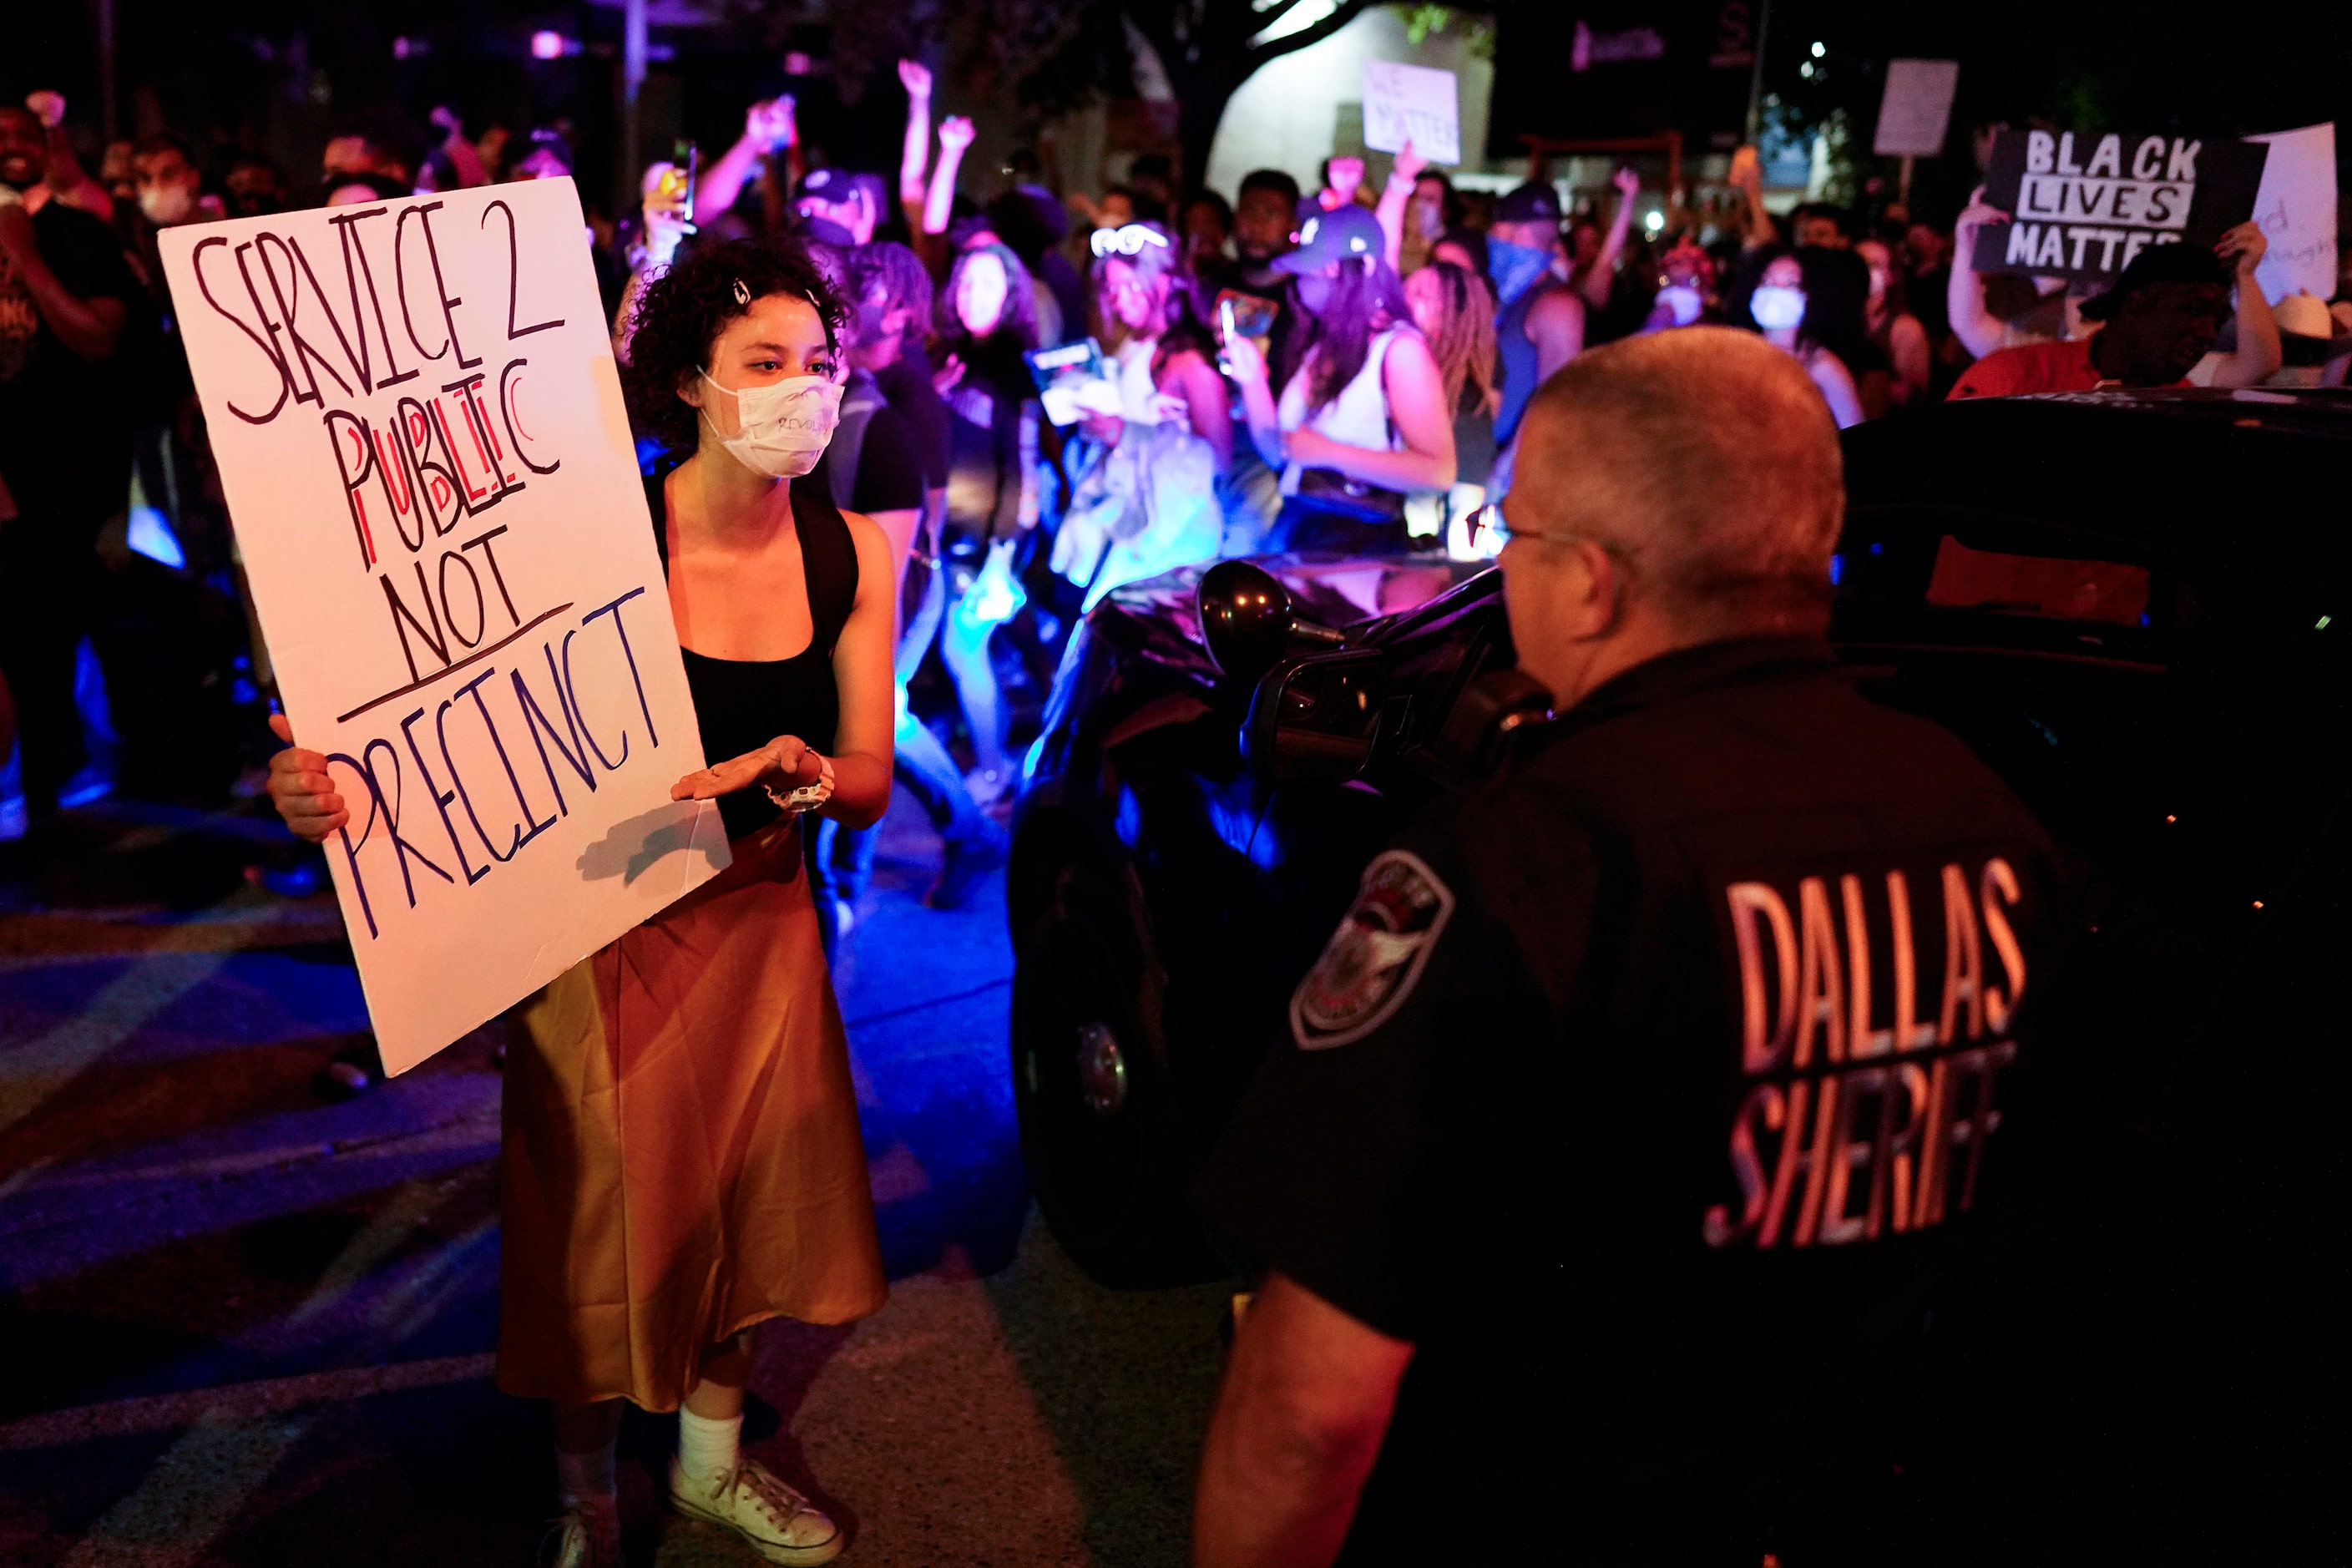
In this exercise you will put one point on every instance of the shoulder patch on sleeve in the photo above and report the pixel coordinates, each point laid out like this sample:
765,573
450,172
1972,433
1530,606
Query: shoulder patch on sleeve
1369,965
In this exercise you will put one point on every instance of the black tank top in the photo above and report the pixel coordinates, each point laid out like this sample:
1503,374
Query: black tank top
741,704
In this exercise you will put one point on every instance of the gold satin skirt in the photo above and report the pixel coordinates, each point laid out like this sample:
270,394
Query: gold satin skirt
681,1157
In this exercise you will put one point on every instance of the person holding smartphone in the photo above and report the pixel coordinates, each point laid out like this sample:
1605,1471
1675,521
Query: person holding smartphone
1364,420
1164,355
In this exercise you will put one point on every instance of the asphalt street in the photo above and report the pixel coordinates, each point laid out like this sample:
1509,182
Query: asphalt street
240,1324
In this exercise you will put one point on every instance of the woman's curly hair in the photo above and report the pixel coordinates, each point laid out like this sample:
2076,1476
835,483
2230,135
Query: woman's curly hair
681,312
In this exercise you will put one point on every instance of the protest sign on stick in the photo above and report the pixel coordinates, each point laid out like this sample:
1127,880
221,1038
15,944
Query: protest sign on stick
2296,207
1412,102
431,478
1915,112
2082,204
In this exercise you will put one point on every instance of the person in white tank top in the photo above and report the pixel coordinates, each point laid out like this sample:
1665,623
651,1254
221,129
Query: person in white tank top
1137,273
1349,453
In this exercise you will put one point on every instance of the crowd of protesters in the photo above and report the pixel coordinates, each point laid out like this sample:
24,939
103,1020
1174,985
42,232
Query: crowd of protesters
1341,368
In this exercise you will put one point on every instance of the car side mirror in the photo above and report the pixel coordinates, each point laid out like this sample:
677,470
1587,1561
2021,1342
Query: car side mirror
1490,710
1317,716
1249,621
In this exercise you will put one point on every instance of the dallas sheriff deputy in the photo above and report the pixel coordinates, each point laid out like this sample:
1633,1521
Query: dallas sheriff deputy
1652,1095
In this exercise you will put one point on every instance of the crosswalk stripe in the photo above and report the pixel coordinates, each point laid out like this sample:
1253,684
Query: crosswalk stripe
30,1073
241,1401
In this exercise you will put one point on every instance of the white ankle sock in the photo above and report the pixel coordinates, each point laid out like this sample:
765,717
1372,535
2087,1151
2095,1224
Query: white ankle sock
586,1479
708,1449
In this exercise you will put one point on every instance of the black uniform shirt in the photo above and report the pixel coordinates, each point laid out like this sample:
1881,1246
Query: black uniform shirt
907,383
1531,1115
65,448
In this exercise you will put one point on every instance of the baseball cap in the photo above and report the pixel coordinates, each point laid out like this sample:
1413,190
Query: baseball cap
1340,235
2306,315
2174,263
1533,202
831,184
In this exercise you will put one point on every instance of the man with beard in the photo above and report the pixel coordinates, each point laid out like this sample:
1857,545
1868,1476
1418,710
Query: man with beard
1264,229
65,293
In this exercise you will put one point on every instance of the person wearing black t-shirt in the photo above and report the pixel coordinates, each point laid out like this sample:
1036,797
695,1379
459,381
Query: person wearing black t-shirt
66,293
1656,1096
893,295
997,453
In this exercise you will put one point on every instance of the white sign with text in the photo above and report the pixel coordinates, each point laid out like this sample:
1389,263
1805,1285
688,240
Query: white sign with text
2296,207
431,478
1411,103
1916,112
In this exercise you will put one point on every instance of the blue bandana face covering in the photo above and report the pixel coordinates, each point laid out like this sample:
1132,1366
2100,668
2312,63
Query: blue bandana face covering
1516,266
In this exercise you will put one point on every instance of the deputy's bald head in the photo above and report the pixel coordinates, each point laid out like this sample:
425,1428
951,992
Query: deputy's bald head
1706,459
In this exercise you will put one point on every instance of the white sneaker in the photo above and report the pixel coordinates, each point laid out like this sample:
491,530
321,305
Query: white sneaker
774,1520
584,1538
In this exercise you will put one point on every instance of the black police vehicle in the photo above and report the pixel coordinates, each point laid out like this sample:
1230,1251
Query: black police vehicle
2124,602
2132,607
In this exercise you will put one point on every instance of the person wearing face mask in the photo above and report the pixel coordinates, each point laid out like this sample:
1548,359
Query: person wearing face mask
66,294
1778,303
1363,421
1685,294
681,1159
1541,324
1414,209
170,447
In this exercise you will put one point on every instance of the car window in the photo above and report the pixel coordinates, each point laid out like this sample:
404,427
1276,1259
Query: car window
2103,685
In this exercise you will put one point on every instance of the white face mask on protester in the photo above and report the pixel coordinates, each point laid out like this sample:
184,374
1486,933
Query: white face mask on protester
1685,302
784,427
1776,308
166,204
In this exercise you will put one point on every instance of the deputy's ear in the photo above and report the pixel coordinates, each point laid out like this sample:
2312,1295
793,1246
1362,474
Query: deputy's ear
690,389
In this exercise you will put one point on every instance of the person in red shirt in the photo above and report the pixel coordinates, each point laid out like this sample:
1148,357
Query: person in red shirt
2161,317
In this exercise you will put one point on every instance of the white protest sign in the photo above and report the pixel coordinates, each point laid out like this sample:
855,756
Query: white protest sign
1416,103
430,475
2296,207
1916,108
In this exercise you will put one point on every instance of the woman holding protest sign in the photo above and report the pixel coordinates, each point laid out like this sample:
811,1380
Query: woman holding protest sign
681,1159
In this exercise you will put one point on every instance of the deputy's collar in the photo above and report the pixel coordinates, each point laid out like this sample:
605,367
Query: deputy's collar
1692,670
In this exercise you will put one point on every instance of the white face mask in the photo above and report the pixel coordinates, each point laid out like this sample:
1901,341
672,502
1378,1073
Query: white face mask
784,426
1684,300
1776,308
166,204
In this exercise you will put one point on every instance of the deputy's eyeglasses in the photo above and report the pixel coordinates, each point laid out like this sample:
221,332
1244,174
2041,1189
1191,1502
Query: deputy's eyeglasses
1488,518
1127,240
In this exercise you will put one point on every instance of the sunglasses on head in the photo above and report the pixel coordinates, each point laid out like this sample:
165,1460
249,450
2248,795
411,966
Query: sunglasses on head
1128,240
